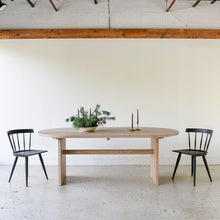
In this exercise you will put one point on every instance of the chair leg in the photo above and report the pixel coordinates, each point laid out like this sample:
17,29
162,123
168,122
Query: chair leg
26,170
170,5
194,170
55,8
177,163
13,167
42,163
207,168
196,3
192,166
31,3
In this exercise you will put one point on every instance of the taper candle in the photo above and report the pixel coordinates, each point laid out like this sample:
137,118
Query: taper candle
137,116
132,120
83,117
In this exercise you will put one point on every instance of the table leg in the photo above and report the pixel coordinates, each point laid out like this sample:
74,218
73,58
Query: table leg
61,161
155,160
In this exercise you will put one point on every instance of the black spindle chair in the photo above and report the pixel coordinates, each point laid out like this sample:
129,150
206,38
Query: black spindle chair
199,140
20,141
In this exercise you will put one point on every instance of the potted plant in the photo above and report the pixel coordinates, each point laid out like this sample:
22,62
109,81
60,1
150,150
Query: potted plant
89,120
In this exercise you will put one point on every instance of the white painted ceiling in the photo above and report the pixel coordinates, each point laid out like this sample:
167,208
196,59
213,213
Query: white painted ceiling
109,14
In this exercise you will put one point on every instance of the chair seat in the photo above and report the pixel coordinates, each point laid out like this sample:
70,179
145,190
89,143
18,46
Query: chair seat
191,152
27,153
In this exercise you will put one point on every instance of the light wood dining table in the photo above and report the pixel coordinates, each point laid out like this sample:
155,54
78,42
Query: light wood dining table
61,134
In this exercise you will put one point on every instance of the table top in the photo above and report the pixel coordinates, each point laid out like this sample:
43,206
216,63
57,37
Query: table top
109,132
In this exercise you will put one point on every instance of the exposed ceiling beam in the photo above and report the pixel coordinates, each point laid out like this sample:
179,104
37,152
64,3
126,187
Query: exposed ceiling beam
110,33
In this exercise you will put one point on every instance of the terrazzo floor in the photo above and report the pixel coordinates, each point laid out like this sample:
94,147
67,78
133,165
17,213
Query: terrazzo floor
109,14
109,193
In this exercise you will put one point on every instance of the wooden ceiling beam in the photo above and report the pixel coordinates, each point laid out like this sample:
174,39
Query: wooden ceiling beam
110,33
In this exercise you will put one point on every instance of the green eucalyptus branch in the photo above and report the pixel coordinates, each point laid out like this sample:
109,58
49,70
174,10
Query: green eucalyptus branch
90,118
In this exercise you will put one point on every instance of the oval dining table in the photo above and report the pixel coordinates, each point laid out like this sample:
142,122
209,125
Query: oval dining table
61,134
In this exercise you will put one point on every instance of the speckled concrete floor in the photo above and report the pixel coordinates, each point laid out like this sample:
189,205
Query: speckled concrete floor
110,192
109,14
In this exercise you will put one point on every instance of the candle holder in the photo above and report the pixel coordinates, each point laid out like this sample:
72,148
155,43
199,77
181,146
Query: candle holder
137,129
132,122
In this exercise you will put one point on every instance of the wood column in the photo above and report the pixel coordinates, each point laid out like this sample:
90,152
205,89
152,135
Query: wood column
155,160
61,161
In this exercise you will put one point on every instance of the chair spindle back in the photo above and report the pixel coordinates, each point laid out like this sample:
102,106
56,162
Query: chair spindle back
20,139
199,139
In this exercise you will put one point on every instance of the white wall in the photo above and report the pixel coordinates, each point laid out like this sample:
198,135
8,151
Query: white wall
174,83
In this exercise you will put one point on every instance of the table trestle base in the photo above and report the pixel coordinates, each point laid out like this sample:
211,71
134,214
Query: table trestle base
62,152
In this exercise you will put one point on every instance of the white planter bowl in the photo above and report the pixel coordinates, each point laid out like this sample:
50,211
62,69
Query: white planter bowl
88,129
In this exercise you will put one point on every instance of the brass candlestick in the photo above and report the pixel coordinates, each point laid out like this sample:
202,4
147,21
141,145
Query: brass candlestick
132,122
138,129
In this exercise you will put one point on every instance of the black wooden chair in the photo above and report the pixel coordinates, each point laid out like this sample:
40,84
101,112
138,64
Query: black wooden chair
20,141
199,140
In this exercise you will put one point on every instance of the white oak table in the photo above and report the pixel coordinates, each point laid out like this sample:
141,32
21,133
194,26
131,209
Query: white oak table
61,134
